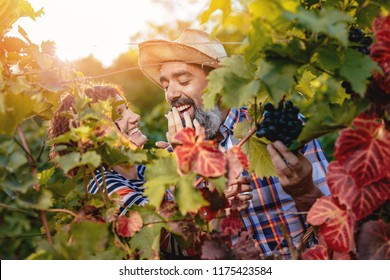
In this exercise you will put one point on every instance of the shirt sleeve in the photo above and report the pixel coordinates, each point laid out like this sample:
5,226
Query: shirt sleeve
129,192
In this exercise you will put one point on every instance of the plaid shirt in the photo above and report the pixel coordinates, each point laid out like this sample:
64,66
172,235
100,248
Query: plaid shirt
270,205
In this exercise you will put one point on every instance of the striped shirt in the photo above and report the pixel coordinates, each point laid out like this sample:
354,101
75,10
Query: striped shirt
130,191
270,206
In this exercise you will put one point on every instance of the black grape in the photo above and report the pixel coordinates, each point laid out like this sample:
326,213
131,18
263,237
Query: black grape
281,123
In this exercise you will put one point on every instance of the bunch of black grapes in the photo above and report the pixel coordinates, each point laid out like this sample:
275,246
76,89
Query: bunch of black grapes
357,36
280,123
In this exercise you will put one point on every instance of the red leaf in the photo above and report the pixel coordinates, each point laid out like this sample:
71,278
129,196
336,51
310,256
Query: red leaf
232,224
201,155
318,252
340,256
374,242
215,249
237,161
245,247
186,136
126,227
361,200
335,224
209,161
364,150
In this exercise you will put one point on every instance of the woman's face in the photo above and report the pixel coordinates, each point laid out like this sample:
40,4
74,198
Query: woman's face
128,123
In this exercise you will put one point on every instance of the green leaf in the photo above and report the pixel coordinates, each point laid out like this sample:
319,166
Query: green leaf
69,161
357,68
147,241
234,83
188,198
367,13
219,183
328,57
91,158
328,21
14,108
242,129
304,85
16,160
38,200
328,118
159,175
259,158
277,76
45,175
89,238
239,94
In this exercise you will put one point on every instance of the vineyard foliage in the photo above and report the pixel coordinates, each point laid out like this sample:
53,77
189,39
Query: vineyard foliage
298,50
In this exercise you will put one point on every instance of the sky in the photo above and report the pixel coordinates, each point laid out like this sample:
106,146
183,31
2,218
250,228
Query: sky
101,27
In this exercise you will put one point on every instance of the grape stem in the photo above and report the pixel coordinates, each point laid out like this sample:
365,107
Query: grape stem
243,140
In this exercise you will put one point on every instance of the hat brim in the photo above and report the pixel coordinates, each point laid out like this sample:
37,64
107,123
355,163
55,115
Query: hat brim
153,53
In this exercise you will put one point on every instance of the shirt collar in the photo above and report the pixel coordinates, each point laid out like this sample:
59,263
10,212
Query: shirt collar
235,115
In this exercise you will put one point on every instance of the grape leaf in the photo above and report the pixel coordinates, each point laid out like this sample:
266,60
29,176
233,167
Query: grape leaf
245,248
237,162
37,200
374,241
277,75
201,156
259,158
327,118
14,108
233,84
328,57
159,175
364,151
304,85
215,249
147,241
128,226
356,69
73,159
188,198
328,21
361,199
335,224
45,175
317,252
231,225
177,223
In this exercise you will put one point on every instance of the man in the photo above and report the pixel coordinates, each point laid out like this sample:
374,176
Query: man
181,68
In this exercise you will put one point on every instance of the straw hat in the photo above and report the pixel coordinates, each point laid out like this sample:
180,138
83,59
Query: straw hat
193,46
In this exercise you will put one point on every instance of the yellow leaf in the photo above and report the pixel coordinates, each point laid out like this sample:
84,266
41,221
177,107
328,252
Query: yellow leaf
259,158
304,85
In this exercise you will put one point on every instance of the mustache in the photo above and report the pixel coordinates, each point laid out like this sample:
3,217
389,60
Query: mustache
182,101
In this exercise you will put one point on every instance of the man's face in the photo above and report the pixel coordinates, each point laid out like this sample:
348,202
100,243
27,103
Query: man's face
184,85
181,82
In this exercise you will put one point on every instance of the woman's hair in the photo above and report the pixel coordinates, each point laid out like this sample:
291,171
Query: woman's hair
60,124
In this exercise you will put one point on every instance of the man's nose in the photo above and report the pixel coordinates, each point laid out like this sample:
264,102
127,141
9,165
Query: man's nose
172,93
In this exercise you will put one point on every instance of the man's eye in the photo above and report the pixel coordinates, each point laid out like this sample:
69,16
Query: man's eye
185,83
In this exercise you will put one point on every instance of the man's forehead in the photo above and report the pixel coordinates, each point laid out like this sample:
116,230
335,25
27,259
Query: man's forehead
176,68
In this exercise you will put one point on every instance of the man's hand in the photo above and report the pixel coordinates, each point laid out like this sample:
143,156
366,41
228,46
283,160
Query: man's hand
295,175
238,194
175,123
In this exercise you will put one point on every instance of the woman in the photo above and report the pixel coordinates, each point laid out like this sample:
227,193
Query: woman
126,182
